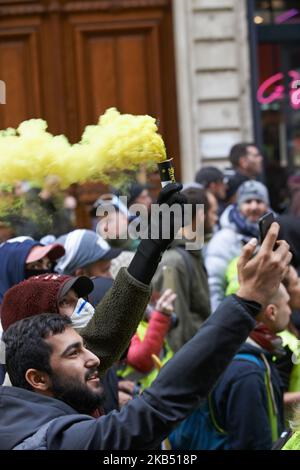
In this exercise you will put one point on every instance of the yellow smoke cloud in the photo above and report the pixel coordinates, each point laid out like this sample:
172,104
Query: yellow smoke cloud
119,142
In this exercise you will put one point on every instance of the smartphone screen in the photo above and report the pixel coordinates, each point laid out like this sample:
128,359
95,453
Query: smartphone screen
264,224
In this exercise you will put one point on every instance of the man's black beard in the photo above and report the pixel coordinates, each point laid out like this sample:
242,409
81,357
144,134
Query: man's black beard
77,395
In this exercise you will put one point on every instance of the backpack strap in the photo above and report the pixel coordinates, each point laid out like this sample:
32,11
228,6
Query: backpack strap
283,439
188,264
213,416
250,358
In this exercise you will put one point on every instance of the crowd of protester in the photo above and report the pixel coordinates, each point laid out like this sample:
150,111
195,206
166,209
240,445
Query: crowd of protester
110,342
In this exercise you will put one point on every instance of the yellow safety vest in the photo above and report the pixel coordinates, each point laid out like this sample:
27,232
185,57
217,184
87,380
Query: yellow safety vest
145,380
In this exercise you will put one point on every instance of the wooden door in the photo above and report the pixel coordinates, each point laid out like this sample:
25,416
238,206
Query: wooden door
68,61
122,57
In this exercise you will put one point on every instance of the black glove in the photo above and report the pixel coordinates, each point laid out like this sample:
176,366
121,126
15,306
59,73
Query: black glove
170,195
149,252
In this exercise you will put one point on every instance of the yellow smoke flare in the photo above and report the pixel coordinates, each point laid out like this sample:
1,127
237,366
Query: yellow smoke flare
119,142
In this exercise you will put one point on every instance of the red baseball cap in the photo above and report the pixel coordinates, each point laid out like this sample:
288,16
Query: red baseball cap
53,251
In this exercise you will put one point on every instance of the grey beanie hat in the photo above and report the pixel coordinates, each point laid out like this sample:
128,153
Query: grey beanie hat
252,189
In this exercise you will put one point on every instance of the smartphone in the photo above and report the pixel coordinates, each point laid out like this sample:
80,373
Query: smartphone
264,224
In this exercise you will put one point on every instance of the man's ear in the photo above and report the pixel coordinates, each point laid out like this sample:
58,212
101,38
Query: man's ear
38,380
270,314
212,186
243,162
200,215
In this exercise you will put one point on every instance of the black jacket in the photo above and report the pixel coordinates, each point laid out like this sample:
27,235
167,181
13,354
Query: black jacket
145,421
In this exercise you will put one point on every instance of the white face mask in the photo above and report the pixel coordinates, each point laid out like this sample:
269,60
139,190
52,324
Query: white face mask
82,314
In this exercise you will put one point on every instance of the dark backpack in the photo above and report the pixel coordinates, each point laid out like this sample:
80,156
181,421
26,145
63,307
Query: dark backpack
201,431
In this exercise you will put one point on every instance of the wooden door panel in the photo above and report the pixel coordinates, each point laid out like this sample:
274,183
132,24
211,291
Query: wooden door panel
123,58
101,83
116,65
106,59
133,96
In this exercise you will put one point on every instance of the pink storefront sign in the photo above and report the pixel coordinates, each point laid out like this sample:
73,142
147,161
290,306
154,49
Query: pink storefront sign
266,96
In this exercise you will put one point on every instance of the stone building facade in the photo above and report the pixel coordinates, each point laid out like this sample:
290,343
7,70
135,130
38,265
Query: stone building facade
213,80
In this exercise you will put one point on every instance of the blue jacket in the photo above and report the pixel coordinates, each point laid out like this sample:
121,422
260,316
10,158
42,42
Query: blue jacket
12,263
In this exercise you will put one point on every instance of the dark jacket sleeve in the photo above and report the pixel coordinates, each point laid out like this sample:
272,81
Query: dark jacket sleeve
145,421
245,409
116,319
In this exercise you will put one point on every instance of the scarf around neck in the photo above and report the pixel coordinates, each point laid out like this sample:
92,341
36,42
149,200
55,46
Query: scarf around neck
267,340
249,229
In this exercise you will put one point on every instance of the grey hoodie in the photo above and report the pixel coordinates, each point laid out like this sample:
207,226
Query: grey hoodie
225,245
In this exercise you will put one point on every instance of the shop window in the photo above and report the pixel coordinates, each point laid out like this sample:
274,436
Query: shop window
277,95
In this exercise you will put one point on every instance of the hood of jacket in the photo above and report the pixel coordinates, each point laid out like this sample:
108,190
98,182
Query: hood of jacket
250,347
13,255
23,412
